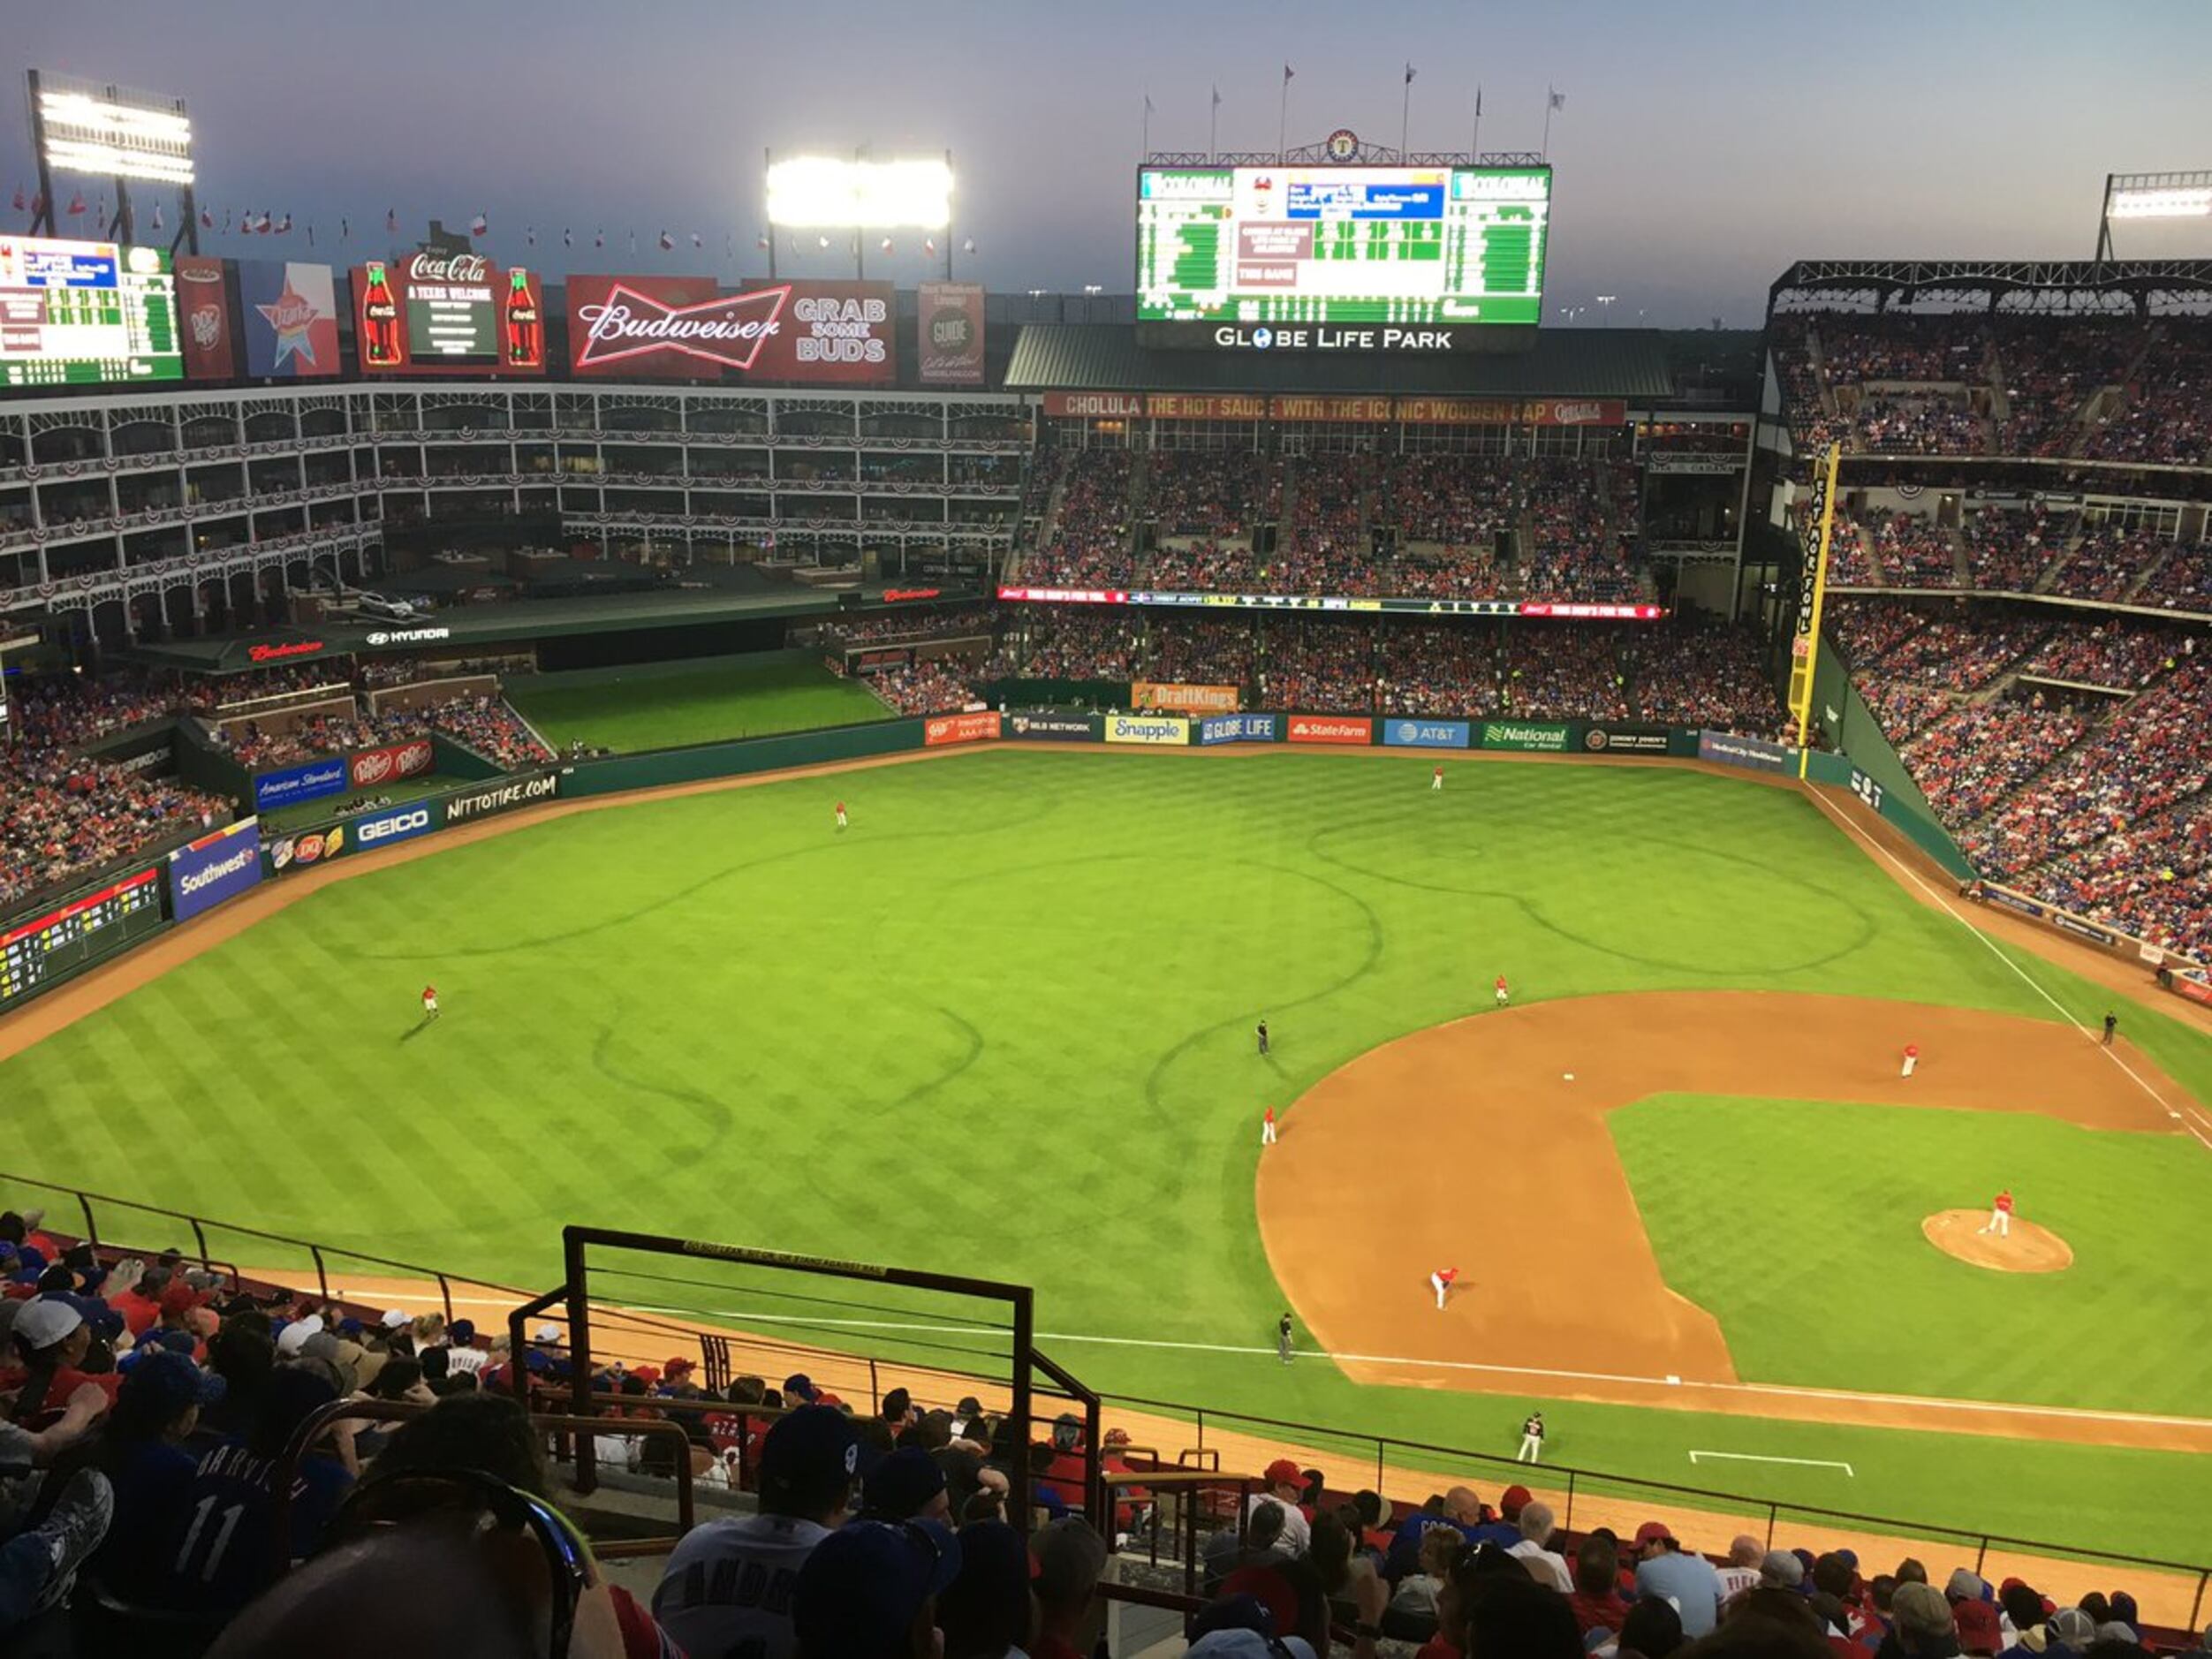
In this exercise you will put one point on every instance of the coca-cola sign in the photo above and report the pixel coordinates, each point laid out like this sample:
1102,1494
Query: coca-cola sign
449,268
724,331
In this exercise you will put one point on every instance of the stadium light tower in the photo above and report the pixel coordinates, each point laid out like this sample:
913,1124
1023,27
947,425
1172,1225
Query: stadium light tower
822,192
104,131
2184,195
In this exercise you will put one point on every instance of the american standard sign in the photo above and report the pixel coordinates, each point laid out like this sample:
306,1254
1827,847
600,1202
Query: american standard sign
498,797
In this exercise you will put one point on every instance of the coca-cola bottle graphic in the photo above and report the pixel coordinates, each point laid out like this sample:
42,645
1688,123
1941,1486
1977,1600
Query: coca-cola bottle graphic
525,340
380,321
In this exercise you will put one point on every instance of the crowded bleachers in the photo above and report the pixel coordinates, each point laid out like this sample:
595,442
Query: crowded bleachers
954,622
1566,673
2008,551
938,686
140,1393
2164,415
1701,671
63,815
2051,367
1441,669
1915,552
1221,494
2106,565
2183,580
1970,757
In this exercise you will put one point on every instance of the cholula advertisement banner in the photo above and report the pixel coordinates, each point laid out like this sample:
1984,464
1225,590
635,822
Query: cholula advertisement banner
288,315
215,867
203,318
950,334
440,313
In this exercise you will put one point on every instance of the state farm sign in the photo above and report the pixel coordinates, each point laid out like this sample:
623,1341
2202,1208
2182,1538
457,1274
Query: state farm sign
667,327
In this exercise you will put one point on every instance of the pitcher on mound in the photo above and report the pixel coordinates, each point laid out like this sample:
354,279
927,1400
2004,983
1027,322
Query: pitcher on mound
2000,1222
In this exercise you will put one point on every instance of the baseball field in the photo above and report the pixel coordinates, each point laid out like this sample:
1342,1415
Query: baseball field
1004,1025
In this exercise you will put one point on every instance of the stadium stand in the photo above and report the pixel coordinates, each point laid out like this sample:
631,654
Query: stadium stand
139,1394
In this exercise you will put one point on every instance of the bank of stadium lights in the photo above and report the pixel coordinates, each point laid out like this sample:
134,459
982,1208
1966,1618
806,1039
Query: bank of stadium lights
90,134
807,191
85,127
2139,196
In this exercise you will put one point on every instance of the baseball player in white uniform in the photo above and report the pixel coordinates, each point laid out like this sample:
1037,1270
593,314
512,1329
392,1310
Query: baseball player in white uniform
1440,1282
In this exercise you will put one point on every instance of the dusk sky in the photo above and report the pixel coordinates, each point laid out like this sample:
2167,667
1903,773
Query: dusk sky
1704,143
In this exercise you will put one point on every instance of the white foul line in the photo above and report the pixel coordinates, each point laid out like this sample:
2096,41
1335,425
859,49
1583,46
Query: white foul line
2066,1013
1754,1456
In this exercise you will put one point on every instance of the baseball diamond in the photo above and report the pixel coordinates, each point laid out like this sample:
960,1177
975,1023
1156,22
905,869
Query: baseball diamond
1422,935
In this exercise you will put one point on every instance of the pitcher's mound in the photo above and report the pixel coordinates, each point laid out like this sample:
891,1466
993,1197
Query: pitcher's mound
2027,1249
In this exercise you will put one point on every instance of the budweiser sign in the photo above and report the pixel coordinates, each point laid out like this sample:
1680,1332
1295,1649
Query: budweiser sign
449,268
727,331
278,652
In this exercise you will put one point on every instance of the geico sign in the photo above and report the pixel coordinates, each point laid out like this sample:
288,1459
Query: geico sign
411,822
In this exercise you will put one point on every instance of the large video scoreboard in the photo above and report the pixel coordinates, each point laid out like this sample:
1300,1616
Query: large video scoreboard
1334,258
74,934
85,314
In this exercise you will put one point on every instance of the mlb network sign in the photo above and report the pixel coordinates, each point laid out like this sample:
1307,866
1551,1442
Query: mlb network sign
215,867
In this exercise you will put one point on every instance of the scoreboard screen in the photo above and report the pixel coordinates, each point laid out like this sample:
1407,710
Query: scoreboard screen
90,929
85,314
1340,257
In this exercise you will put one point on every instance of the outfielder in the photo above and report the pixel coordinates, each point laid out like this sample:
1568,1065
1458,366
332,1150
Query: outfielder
1440,1282
840,815
429,1002
1262,1032
1499,987
1437,780
1282,1339
1267,1128
1532,1444
1911,1058
2000,1222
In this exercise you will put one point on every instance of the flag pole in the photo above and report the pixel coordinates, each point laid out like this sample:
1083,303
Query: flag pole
1283,119
1406,116
1144,132
1213,127
1549,105
1475,141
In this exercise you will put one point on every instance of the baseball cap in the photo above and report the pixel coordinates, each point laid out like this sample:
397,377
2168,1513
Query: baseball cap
43,1323
677,1365
1652,1532
179,1298
1512,1500
1241,1625
294,1336
1781,1571
2072,1626
808,1444
546,1333
861,1587
901,1484
1070,1556
969,1407
173,1382
1282,1472
461,1332
1920,1610
799,1384
1978,1629
1965,1585
395,1320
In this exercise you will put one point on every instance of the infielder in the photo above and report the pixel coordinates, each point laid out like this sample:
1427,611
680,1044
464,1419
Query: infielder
1282,1339
1911,1058
2000,1222
840,815
1440,1282
1499,987
1437,780
1267,1128
1532,1444
429,1002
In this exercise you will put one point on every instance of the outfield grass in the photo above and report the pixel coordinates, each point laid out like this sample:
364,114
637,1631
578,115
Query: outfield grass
394,789
665,705
1001,1026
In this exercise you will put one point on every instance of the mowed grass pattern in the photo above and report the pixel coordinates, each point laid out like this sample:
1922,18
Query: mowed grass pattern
658,705
1822,1275
1001,1026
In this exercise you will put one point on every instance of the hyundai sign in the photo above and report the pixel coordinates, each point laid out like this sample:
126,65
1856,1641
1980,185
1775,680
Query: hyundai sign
215,867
